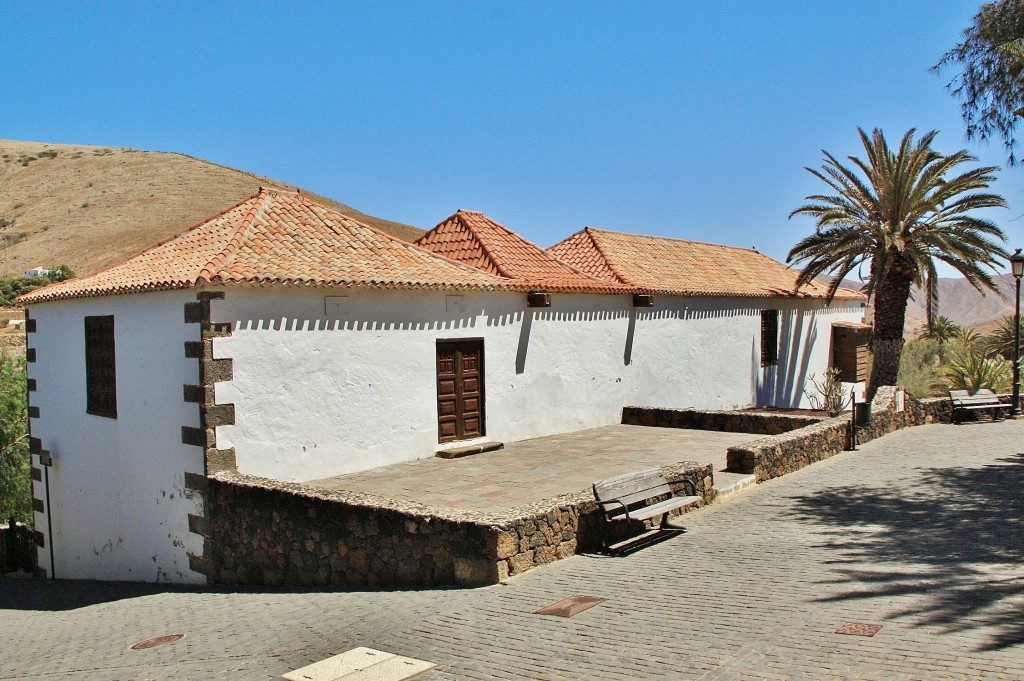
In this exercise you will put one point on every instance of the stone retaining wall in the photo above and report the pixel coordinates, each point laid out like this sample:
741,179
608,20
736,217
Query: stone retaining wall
770,457
708,419
275,533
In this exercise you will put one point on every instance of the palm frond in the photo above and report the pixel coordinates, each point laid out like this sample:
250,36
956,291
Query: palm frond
901,211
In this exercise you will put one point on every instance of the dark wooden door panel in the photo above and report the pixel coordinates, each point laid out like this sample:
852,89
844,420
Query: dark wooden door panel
460,397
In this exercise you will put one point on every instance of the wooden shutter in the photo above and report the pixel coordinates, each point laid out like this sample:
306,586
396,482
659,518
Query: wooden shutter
100,367
850,352
769,337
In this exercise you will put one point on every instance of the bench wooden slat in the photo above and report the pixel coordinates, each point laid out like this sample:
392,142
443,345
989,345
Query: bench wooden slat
647,512
978,399
639,496
628,483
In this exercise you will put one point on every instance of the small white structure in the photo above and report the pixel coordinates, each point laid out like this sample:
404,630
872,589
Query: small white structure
36,272
284,340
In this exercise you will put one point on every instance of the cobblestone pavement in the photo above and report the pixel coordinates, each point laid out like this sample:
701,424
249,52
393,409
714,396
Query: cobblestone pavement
920,531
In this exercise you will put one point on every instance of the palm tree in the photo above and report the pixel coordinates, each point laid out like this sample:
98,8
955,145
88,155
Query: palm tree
942,329
903,211
1002,339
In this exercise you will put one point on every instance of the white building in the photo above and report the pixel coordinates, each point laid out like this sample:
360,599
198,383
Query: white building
284,340
35,272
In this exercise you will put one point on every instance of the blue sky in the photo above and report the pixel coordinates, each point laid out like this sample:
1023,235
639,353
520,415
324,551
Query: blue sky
686,119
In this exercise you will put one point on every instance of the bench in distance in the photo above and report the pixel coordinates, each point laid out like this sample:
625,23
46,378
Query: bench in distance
638,496
981,400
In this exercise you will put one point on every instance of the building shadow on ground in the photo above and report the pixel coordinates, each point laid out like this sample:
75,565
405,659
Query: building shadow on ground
46,595
953,543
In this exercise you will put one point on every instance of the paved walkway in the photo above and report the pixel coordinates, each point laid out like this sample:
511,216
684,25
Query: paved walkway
532,470
921,532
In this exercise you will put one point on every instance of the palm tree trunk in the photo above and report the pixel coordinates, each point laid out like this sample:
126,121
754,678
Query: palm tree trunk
891,298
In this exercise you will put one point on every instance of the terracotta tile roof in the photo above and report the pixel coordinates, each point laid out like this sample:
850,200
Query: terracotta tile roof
474,239
690,268
277,237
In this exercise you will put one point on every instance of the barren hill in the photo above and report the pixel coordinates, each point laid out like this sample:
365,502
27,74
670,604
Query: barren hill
959,301
88,207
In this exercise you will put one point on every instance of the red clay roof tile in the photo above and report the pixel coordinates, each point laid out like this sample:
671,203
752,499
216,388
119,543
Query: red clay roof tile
476,240
277,237
679,267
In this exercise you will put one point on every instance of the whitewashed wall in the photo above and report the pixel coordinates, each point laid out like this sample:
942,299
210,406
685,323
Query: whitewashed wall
119,507
318,394
706,353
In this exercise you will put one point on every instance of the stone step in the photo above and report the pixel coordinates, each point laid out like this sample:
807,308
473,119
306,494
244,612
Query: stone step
729,484
459,452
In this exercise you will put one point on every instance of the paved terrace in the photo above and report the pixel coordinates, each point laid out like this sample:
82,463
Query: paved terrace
542,468
920,532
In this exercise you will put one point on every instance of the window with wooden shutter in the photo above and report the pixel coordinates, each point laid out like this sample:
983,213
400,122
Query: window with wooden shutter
769,337
850,351
100,370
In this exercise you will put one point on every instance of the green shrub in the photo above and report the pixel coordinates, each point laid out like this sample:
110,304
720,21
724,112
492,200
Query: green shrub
15,462
10,289
919,367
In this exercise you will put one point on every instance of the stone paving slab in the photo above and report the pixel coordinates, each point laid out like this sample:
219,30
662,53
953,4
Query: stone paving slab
528,471
921,531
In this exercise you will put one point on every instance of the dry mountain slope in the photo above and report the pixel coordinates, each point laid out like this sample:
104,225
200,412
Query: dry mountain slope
89,207
959,301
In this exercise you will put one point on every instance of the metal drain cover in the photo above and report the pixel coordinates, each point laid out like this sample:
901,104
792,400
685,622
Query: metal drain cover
158,641
859,629
568,607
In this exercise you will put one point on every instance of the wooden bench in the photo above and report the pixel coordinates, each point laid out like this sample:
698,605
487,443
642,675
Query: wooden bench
982,399
637,496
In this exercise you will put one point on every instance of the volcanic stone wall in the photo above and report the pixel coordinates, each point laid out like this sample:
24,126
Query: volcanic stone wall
776,455
275,533
724,421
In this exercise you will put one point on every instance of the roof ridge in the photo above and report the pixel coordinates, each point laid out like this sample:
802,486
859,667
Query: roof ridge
498,264
604,256
160,242
207,272
549,256
391,237
674,238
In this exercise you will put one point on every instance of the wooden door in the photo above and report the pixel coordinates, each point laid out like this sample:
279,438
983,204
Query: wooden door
460,390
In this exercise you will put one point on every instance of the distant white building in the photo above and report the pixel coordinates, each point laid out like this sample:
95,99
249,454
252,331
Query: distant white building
284,340
36,272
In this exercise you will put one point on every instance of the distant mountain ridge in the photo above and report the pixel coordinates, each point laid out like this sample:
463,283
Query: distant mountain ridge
89,207
959,301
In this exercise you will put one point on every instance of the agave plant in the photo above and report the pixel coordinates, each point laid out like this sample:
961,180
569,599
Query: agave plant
969,368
